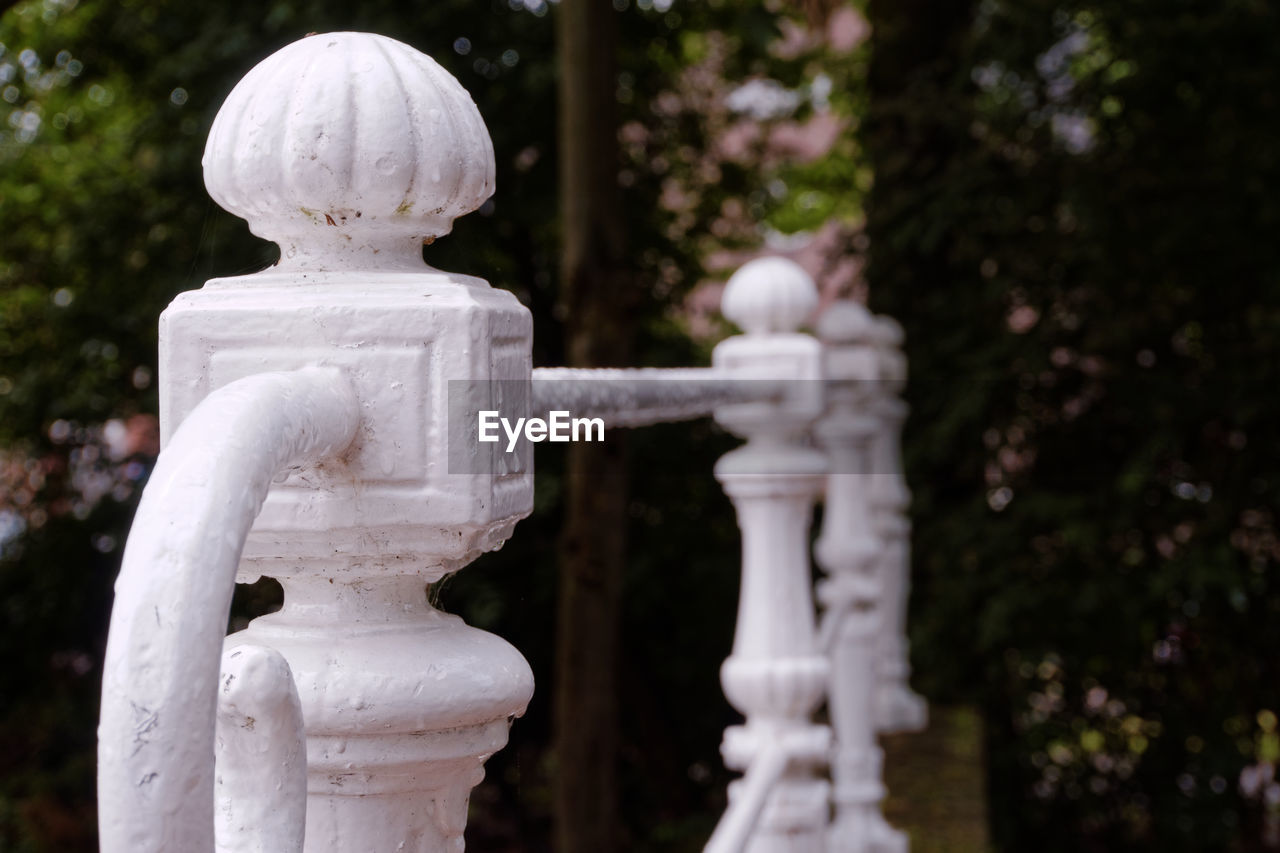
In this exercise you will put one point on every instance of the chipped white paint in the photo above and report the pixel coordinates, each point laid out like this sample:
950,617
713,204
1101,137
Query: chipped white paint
775,675
156,734
402,705
849,550
261,784
349,134
289,151
349,150
898,708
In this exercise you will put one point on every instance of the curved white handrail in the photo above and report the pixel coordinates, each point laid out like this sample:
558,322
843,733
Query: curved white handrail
156,732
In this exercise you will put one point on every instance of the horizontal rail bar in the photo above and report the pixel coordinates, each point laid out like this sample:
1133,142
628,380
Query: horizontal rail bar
632,397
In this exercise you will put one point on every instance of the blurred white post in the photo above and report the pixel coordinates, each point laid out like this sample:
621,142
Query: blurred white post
775,675
899,709
850,552
349,150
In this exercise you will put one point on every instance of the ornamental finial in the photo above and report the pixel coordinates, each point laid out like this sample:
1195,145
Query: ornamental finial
769,295
847,322
349,150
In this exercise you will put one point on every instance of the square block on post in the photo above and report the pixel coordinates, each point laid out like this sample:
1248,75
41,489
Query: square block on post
391,502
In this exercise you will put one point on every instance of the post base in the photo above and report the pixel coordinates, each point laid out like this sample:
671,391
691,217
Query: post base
900,709
865,831
402,705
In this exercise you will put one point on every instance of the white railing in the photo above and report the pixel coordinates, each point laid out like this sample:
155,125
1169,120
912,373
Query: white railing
318,420
161,680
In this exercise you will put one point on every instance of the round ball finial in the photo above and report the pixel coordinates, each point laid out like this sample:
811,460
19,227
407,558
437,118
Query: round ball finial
349,150
769,295
846,322
888,332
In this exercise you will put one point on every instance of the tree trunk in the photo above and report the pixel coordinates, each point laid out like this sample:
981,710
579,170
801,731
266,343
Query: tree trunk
596,289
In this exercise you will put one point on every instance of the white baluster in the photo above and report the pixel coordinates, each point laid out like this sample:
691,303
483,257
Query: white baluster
850,552
350,150
898,708
775,675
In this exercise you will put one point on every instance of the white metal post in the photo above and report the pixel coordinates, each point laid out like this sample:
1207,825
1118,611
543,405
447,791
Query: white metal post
850,551
349,150
775,675
899,708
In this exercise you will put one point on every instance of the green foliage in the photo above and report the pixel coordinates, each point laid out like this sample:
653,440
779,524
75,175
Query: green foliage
1070,218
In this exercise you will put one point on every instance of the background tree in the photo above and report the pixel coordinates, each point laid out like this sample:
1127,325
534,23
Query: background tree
1069,216
599,296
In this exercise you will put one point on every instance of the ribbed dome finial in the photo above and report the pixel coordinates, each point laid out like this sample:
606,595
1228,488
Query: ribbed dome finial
349,150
